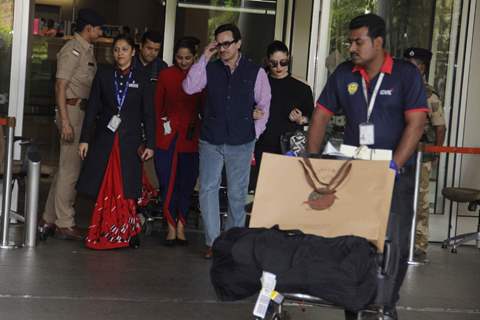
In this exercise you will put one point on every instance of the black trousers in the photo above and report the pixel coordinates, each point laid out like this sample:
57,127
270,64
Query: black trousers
398,233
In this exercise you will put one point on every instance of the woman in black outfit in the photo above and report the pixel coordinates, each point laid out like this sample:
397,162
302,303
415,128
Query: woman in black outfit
291,104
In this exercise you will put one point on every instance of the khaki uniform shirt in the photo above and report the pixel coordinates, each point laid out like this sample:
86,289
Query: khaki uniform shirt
76,63
435,118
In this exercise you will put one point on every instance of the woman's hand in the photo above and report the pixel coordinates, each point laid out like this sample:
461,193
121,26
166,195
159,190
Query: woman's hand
258,114
83,150
146,154
297,116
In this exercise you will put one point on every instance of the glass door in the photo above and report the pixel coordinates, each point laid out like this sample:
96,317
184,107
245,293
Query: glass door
258,21
6,32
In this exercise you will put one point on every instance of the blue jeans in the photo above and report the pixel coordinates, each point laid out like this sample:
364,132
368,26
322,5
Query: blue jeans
237,159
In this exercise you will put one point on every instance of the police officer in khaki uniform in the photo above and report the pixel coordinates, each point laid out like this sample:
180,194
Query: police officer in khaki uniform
76,67
434,133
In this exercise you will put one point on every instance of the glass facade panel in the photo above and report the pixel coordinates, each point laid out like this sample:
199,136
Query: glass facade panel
6,28
45,44
423,23
256,20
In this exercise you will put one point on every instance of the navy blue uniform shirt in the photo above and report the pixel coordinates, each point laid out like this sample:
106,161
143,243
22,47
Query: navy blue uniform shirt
401,91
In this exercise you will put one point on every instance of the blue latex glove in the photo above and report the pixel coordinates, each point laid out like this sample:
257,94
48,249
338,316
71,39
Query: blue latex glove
394,167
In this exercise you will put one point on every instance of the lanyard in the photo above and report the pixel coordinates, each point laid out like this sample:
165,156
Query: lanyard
121,96
371,103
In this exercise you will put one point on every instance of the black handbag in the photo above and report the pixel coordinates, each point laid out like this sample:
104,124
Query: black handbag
293,143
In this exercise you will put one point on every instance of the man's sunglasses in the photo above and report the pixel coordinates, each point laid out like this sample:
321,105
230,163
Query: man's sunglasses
282,63
226,44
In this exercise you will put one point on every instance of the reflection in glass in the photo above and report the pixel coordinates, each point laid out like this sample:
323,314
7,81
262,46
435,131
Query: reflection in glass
256,20
6,28
404,20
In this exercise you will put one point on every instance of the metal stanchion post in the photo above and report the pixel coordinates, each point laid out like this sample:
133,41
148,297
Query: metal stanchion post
418,170
31,199
7,185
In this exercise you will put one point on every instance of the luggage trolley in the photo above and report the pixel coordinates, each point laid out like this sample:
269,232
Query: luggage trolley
384,258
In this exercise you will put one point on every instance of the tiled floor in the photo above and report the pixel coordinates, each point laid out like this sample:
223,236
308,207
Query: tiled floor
63,280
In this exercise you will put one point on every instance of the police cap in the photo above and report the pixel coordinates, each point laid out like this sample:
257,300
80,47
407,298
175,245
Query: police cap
421,54
89,17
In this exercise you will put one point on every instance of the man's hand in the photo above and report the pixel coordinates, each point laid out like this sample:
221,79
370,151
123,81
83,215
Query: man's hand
66,132
83,150
297,116
316,131
210,50
146,154
258,114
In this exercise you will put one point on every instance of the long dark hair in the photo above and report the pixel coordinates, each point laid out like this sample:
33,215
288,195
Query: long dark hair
190,43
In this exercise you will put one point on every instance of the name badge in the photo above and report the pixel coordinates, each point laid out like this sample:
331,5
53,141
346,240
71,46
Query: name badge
133,85
114,123
367,134
167,129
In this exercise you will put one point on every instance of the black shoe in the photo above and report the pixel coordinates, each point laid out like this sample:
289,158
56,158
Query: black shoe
169,242
134,242
182,242
349,315
45,229
390,314
420,255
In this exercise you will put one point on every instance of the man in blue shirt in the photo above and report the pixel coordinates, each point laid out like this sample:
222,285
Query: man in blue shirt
385,106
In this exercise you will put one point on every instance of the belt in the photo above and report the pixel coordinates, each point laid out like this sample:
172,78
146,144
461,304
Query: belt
74,101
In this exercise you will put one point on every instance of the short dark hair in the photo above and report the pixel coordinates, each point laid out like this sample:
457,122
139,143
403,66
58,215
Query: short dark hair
229,27
276,46
190,43
126,38
152,35
374,23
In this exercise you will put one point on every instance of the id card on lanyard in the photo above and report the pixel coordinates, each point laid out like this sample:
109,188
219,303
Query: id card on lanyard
367,129
115,121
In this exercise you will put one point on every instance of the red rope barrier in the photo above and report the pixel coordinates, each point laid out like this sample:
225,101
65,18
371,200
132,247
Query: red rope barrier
8,122
439,149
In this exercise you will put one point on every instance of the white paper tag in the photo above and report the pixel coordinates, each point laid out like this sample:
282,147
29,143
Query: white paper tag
367,134
167,129
269,281
114,123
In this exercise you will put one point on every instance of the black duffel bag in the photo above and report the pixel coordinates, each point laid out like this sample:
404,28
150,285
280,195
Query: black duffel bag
340,270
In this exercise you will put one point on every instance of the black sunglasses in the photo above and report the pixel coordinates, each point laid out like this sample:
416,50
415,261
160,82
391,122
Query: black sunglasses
226,44
282,63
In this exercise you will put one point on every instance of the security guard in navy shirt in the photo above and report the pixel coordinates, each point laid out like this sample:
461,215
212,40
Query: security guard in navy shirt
147,59
385,107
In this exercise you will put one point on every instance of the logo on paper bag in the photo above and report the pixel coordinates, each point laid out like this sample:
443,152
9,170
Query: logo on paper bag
323,197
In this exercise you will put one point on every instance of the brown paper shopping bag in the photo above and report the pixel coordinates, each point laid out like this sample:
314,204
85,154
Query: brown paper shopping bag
361,207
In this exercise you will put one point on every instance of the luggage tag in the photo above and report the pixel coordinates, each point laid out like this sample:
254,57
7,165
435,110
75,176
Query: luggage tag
367,133
114,123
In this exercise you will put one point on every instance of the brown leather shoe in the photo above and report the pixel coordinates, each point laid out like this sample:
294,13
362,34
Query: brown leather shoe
72,233
209,254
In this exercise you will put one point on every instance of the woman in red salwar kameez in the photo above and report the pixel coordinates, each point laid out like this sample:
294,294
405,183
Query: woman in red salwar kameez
119,113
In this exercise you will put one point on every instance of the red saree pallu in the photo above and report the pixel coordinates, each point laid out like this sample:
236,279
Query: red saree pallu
149,192
114,218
